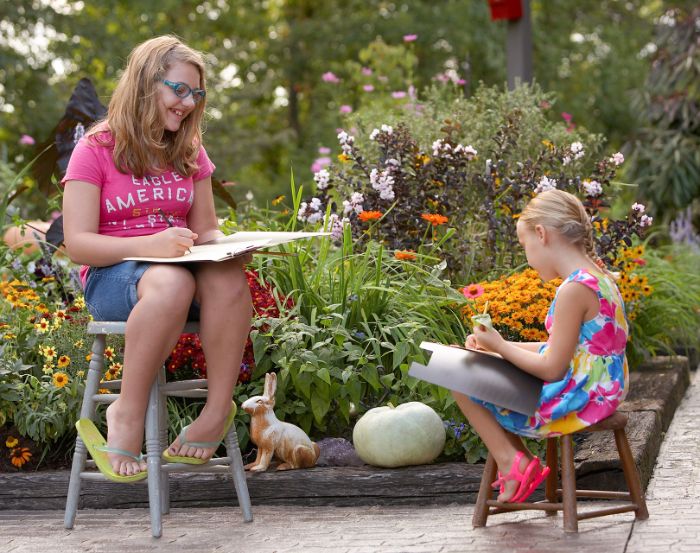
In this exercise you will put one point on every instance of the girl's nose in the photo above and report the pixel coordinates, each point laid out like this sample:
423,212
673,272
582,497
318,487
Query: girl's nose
189,100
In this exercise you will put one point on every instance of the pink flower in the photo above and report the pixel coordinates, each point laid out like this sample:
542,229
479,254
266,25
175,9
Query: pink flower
330,77
368,88
366,71
398,94
609,340
320,163
639,262
324,151
27,140
409,38
461,82
345,108
602,403
472,291
567,116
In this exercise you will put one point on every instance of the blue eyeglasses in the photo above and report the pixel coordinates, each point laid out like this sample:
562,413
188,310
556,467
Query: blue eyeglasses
183,90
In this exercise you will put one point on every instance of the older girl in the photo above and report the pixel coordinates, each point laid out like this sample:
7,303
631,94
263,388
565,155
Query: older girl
139,184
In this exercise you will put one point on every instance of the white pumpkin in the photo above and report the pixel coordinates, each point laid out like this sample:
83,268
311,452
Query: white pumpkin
410,434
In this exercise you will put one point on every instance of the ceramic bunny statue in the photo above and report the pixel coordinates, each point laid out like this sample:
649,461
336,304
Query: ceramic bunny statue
287,442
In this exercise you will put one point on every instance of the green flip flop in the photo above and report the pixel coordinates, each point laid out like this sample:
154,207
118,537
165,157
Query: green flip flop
97,446
170,458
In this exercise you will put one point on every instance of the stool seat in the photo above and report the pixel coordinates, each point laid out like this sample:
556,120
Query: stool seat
156,432
565,498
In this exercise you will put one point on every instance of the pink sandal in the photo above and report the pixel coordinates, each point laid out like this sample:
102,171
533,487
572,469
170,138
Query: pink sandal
529,479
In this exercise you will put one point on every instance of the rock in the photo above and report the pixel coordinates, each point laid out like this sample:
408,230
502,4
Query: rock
337,452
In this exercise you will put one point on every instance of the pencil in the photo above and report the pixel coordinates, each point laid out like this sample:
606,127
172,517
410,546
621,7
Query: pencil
167,219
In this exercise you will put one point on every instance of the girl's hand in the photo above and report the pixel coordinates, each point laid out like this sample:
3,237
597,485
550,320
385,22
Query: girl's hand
487,338
173,242
471,342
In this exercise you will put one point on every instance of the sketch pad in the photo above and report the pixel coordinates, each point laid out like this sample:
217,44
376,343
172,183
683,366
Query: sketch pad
481,375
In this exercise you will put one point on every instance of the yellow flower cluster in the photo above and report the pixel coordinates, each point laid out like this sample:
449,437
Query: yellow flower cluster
518,304
632,284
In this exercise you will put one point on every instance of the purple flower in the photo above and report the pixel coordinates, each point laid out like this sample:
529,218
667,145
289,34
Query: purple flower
330,77
368,88
366,71
398,94
320,163
409,38
323,150
27,140
345,108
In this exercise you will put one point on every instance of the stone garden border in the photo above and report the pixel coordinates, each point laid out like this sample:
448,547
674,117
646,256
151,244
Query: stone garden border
657,389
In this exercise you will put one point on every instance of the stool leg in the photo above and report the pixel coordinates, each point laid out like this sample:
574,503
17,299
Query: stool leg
153,454
163,424
238,473
629,469
550,487
481,508
568,484
87,411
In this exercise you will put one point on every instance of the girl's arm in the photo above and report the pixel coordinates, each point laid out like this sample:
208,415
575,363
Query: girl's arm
81,218
529,346
202,215
574,303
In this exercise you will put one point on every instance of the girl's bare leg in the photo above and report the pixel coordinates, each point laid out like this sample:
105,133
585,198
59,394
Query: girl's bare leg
225,313
152,330
502,444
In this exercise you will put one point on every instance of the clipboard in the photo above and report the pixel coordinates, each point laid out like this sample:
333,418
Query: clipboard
485,376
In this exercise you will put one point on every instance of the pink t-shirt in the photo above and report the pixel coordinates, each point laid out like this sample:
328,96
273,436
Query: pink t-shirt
129,205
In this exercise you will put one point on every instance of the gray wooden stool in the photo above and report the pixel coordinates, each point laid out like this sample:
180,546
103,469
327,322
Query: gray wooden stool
156,432
632,500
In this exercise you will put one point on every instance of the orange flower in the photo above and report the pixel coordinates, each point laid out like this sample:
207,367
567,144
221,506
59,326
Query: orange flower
434,219
109,352
369,215
405,255
19,456
60,380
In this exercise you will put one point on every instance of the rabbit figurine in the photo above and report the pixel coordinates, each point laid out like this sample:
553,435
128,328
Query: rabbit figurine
287,442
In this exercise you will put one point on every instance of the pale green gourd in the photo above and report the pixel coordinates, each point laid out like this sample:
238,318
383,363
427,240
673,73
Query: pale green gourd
410,434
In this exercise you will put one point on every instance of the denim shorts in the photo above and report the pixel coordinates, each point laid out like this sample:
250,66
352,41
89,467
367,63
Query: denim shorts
110,292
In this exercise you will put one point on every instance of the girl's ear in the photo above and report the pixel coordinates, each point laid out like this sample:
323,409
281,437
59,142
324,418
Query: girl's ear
541,233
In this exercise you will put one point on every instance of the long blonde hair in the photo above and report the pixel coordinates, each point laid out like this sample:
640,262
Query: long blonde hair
563,212
141,143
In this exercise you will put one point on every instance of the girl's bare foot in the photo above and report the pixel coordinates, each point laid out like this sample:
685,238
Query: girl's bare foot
125,433
206,428
510,486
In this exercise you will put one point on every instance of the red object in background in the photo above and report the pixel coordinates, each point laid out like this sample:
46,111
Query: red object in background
506,9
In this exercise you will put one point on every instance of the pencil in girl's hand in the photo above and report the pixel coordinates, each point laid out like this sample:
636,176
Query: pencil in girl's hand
168,220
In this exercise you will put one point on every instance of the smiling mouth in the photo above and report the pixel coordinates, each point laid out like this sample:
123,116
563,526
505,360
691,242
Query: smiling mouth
178,112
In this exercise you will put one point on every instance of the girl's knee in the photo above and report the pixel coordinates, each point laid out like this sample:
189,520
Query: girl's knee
172,284
226,284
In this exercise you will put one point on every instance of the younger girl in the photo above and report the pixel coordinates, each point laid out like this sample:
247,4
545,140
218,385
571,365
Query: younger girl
139,185
582,363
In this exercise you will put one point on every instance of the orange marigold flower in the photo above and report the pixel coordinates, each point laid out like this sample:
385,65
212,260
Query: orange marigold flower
109,352
434,219
369,215
19,456
405,255
63,361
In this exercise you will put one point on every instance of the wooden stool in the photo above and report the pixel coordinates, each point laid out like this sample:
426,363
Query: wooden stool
156,435
633,500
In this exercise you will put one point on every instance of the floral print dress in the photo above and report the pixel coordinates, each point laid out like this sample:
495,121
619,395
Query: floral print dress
597,378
